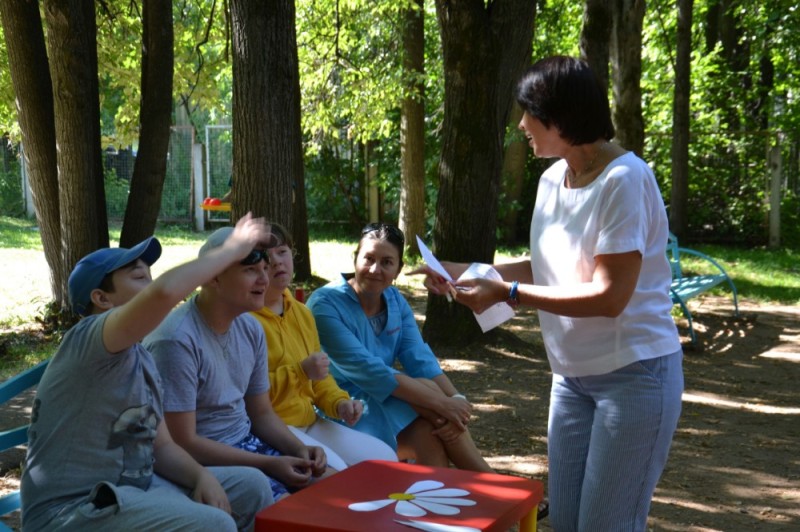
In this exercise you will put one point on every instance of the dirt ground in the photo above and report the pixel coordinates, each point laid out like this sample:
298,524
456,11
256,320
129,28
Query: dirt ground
734,463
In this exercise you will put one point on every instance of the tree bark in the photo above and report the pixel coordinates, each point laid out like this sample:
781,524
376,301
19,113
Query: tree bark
30,76
71,39
595,36
626,67
513,176
267,141
679,194
484,50
412,129
150,168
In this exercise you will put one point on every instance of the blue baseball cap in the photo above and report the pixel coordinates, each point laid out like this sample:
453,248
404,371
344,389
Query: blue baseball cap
90,271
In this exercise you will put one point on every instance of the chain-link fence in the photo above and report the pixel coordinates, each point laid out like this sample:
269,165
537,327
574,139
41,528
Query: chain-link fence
219,164
177,199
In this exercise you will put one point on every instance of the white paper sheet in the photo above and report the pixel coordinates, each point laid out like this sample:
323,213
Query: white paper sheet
489,318
499,312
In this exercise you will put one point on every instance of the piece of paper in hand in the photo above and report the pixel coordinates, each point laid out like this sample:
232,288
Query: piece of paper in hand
431,261
497,313
489,318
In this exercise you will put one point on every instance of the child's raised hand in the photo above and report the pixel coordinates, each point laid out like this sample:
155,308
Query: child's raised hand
249,233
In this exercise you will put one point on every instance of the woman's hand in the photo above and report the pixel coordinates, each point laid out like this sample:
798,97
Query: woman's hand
479,294
455,410
448,432
316,366
434,282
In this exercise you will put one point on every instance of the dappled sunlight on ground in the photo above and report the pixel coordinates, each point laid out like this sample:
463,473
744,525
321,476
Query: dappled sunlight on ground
715,400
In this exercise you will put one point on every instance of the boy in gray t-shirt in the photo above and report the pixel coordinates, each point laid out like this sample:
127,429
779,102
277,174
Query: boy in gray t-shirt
212,356
100,455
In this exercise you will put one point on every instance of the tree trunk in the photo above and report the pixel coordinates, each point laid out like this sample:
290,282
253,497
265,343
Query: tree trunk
595,36
484,49
30,76
626,63
72,49
513,176
679,195
267,141
149,170
412,129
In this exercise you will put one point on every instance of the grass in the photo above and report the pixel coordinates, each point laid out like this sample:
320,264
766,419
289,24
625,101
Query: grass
761,275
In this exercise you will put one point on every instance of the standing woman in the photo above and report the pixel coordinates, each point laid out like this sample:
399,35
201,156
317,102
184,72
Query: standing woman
599,275
300,384
367,328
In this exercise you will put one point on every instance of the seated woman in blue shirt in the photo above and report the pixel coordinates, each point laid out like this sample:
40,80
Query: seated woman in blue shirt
367,328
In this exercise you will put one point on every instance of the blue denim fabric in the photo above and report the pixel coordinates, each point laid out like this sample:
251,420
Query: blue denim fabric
608,440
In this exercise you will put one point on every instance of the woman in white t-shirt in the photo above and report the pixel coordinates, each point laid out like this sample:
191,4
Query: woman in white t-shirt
599,275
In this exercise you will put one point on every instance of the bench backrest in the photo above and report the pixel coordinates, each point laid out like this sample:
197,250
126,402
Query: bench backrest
16,436
674,256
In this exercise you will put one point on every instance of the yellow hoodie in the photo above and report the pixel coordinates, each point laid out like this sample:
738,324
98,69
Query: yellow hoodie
290,339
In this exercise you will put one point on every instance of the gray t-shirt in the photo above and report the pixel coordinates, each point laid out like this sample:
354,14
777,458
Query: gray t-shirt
209,373
94,420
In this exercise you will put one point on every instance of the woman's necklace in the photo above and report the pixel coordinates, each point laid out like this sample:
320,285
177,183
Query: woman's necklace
576,180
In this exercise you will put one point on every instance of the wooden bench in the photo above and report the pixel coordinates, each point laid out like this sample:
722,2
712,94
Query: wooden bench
11,438
685,287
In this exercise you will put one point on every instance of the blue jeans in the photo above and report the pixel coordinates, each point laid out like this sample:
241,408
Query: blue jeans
608,439
166,506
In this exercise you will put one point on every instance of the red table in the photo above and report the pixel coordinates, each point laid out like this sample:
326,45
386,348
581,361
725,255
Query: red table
482,501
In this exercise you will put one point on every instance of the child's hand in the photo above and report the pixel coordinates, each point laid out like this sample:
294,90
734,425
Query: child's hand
249,233
350,411
292,471
316,365
209,491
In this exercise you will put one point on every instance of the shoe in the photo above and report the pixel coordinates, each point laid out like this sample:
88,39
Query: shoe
543,510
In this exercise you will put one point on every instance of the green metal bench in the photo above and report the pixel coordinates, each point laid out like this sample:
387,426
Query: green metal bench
684,288
19,435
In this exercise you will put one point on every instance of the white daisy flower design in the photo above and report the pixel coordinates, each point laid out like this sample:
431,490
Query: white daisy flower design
422,497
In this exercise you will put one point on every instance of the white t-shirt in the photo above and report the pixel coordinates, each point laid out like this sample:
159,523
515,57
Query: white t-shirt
620,211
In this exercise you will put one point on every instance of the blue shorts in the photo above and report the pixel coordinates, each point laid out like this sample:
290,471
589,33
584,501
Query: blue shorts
254,445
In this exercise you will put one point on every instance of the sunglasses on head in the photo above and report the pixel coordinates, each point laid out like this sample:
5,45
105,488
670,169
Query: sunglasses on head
388,228
256,256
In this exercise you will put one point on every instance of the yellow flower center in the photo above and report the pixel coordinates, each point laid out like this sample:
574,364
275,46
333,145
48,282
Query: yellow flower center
402,496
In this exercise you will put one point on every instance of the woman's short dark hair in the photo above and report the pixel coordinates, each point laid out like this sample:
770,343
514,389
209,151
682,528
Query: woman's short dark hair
388,232
564,92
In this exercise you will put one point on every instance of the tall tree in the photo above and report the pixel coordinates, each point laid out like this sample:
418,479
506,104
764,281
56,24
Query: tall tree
149,170
267,142
412,128
27,58
678,215
595,36
71,207
72,48
626,67
484,47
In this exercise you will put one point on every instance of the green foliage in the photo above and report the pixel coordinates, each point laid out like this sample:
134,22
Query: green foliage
729,174
117,190
11,198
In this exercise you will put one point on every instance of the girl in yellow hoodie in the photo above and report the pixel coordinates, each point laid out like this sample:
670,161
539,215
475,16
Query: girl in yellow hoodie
302,391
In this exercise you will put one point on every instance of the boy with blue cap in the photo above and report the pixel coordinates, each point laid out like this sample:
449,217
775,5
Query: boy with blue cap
100,456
